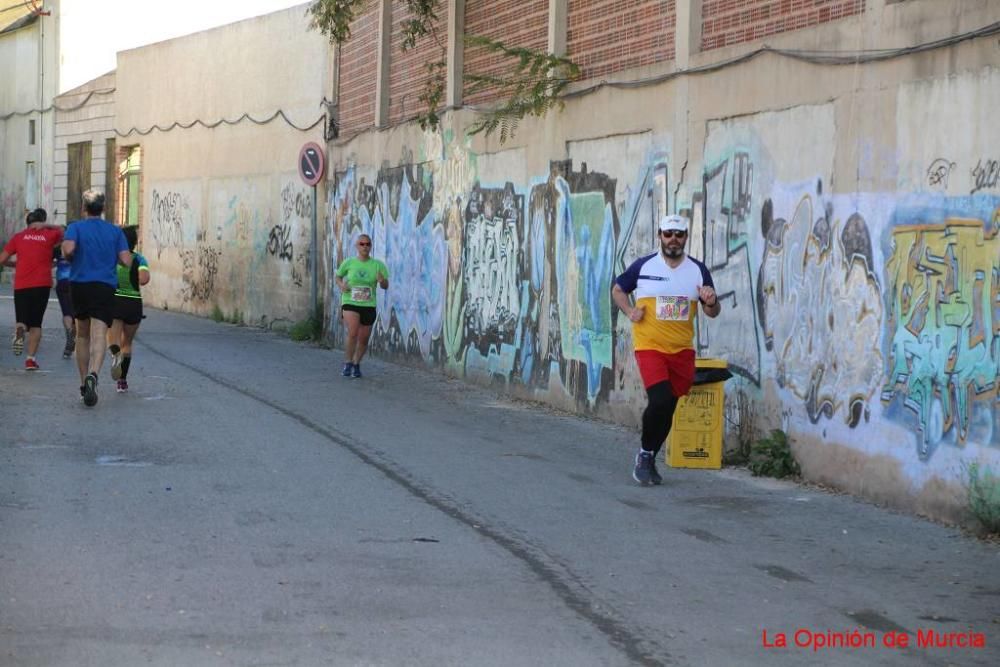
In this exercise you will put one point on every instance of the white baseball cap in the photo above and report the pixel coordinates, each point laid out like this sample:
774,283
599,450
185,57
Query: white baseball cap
673,222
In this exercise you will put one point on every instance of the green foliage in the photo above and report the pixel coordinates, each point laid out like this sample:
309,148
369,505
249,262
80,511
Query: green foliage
333,18
310,328
424,14
772,457
531,89
983,487
219,316
433,94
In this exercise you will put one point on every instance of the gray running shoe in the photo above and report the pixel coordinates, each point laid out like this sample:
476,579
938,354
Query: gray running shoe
90,390
17,341
116,362
70,345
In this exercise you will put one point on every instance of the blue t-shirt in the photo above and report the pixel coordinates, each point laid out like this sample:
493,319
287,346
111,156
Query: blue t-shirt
62,270
62,267
95,258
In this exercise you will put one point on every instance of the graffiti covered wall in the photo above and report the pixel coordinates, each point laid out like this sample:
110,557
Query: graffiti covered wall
224,218
848,215
863,322
243,256
503,282
943,330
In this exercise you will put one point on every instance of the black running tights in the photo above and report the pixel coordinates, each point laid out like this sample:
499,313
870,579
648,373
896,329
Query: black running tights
658,416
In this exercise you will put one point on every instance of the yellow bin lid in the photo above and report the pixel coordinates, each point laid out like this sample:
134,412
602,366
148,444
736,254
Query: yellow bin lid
708,362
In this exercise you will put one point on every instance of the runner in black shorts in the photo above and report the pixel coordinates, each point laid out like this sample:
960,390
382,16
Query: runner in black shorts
357,278
33,248
94,247
127,312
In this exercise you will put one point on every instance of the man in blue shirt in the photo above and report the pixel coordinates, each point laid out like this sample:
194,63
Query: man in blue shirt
94,248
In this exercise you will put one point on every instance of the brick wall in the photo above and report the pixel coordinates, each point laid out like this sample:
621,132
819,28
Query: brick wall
358,69
408,72
514,22
605,36
727,22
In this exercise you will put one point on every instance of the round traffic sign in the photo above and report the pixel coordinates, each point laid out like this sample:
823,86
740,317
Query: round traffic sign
312,163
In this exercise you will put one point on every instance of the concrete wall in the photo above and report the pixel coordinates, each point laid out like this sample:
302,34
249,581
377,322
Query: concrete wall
84,114
226,219
28,79
848,213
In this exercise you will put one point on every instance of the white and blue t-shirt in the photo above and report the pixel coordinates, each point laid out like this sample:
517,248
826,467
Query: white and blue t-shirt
670,298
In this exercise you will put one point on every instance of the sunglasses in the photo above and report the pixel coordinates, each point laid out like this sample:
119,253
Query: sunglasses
673,234
364,243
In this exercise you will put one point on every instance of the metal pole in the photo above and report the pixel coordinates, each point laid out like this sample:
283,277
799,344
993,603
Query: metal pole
313,254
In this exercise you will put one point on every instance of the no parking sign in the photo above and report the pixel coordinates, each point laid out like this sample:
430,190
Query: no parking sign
312,163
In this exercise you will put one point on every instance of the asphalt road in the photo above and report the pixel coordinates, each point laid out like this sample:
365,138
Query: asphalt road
243,504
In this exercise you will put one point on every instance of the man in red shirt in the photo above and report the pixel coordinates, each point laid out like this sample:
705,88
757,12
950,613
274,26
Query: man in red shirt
32,280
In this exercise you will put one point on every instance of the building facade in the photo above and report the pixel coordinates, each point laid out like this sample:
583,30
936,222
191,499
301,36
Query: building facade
837,157
29,80
86,149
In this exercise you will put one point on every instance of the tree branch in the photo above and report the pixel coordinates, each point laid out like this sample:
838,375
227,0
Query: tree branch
533,88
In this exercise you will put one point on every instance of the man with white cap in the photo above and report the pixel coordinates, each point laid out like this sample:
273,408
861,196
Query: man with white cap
668,285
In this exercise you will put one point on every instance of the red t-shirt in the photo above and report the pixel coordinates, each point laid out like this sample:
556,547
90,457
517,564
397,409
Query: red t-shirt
33,248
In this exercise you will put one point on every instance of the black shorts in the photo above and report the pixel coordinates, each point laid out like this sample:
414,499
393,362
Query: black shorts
128,310
29,305
93,300
367,313
65,298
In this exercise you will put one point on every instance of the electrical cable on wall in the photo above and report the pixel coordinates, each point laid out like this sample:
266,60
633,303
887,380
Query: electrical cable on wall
54,107
833,58
223,121
815,57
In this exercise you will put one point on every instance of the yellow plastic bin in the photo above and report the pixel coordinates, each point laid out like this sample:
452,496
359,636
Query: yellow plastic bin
695,439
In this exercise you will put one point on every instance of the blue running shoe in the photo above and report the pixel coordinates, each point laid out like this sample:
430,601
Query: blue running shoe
654,474
643,467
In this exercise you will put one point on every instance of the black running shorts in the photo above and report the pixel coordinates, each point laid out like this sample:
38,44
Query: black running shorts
128,310
367,313
93,300
29,305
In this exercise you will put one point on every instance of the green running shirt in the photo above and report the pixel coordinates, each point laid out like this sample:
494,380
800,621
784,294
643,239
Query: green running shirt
361,281
126,286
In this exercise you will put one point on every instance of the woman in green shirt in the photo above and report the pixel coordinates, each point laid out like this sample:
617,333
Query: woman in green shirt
357,277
